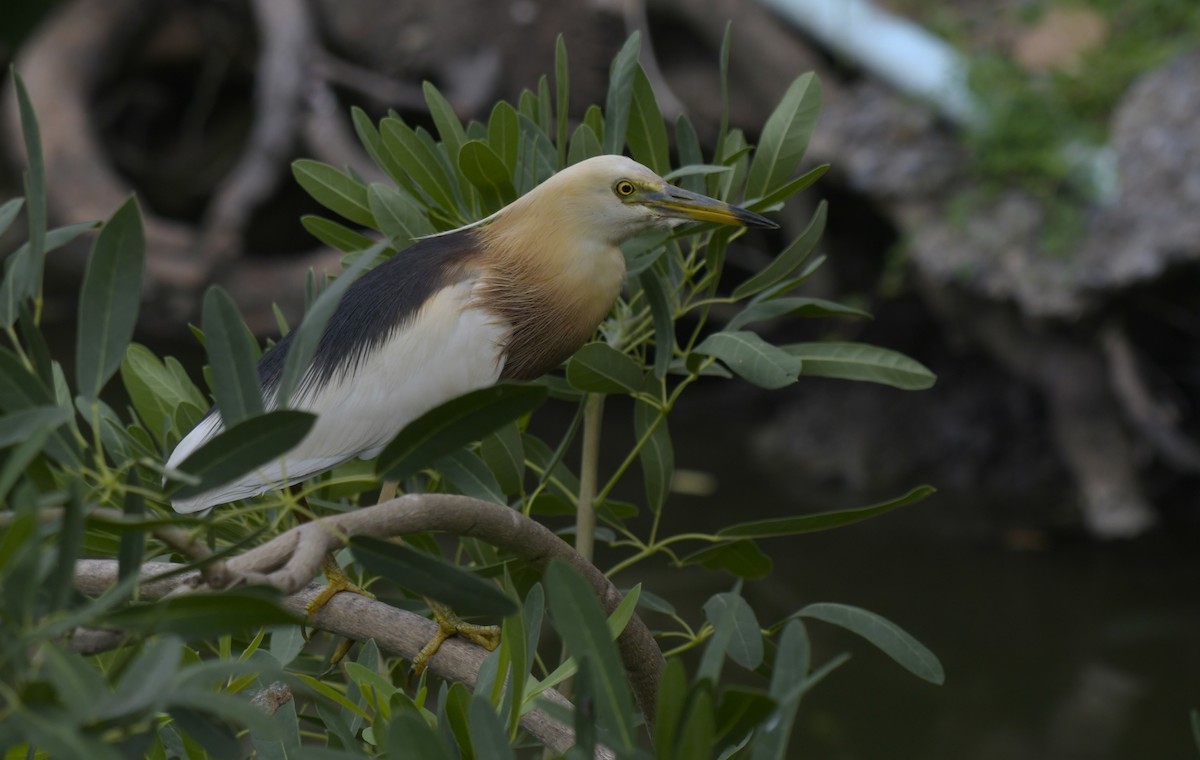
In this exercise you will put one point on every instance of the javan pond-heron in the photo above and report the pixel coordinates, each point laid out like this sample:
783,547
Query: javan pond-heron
508,297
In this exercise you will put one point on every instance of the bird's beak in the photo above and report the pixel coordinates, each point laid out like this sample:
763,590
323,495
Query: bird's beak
676,203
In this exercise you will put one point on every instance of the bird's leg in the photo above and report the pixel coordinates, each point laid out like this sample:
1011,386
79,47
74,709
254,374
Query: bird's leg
335,581
450,624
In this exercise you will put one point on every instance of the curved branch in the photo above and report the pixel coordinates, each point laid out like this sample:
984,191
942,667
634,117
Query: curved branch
293,558
355,617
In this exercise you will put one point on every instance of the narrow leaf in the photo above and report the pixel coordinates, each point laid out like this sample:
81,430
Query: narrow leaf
243,448
22,424
795,306
859,361
785,136
504,134
453,425
657,456
743,558
600,368
109,299
334,190
734,619
790,260
231,355
8,212
647,133
790,526
487,173
334,234
620,93
449,128
487,732
789,673
664,322
399,216
752,357
883,633
579,620
470,476
430,576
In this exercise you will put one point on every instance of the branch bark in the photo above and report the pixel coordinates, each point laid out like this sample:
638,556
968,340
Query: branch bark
291,560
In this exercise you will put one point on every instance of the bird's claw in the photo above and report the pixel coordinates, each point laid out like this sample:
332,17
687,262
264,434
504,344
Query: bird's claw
450,624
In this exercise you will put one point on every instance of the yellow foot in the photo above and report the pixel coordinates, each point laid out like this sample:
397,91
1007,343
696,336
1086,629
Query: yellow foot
335,582
449,624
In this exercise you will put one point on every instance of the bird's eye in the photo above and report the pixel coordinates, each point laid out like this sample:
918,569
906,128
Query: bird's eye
624,188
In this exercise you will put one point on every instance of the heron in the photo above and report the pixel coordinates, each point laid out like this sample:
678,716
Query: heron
509,297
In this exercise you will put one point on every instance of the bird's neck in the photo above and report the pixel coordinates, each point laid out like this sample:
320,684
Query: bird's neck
554,287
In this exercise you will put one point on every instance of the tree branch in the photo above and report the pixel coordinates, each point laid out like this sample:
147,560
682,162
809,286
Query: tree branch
356,617
292,559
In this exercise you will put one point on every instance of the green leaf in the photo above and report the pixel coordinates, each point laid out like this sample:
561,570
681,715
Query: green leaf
750,356
790,260
144,684
584,144
504,455
617,105
743,558
334,234
21,272
504,136
788,189
883,633
133,543
487,172
672,699
740,711
448,126
537,158
35,187
785,136
399,216
657,456
334,190
243,448
470,476
422,165
22,424
21,390
453,425
487,732
795,306
791,526
600,368
687,144
859,361
788,675
308,335
156,391
430,576
580,622
562,99
664,322
734,620
696,736
455,702
231,350
200,616
646,133
8,212
109,298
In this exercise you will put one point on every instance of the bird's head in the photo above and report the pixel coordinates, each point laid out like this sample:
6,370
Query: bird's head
612,198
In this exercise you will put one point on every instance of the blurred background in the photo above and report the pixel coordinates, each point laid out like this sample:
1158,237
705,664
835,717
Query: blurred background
1027,227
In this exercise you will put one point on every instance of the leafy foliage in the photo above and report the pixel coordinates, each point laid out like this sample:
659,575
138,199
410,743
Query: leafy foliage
178,684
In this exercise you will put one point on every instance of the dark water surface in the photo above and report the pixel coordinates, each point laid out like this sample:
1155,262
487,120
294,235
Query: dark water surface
1053,647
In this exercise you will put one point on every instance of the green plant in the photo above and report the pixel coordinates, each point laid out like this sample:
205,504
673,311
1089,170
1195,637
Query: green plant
95,663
